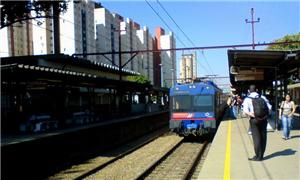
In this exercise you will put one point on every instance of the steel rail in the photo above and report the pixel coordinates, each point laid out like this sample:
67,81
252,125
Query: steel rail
102,166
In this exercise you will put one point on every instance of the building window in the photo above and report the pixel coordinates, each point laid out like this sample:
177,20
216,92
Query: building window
50,24
41,37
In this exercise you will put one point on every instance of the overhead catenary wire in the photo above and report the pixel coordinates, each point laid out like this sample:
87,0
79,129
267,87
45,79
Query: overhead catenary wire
165,23
205,59
68,37
175,22
194,48
62,35
187,37
92,32
168,27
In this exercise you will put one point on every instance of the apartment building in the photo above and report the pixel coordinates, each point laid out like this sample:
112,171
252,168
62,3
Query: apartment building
16,40
77,29
165,61
145,60
107,35
188,67
87,27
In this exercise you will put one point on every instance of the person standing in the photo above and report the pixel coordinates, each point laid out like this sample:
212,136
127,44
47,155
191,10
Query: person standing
249,128
258,121
286,111
234,107
228,111
239,102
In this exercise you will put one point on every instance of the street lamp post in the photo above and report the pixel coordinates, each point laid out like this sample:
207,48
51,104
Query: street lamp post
161,75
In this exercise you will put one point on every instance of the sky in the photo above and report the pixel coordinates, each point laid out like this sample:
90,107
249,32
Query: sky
211,23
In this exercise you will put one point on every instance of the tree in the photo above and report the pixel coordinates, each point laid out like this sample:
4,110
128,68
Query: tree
19,11
139,79
292,37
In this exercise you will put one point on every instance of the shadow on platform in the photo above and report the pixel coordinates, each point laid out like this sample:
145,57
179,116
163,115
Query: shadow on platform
286,152
298,136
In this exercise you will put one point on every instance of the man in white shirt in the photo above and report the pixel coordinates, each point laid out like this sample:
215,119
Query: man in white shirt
258,127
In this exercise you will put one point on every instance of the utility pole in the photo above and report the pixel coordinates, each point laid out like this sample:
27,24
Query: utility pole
120,55
120,49
56,27
120,64
252,23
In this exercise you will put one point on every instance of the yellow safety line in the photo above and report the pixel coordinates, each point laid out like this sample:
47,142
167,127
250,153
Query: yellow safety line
227,155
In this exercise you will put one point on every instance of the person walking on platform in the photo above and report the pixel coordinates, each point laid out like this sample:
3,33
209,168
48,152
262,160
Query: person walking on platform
286,111
257,107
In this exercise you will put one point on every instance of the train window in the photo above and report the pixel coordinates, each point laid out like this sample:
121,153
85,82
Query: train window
181,103
203,103
205,100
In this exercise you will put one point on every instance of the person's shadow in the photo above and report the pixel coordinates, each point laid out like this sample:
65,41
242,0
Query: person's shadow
297,136
285,152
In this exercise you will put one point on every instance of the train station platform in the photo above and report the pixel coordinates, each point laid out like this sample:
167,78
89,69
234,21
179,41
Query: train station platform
232,146
17,139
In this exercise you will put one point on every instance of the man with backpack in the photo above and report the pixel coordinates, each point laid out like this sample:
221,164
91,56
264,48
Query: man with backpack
257,108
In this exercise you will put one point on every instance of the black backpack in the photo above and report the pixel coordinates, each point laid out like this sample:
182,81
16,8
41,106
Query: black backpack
260,108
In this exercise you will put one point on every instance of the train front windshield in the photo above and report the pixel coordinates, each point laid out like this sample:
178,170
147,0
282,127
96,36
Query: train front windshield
189,103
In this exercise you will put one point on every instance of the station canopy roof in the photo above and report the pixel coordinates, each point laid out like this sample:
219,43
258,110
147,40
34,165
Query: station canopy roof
63,62
261,67
66,69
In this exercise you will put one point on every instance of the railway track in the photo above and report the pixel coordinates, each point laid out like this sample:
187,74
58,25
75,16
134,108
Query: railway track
179,163
131,165
166,156
92,166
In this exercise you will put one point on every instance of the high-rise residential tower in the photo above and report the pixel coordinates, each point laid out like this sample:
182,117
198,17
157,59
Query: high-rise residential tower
16,40
145,60
164,61
188,67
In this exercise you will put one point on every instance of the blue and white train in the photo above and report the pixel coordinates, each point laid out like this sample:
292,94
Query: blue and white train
195,108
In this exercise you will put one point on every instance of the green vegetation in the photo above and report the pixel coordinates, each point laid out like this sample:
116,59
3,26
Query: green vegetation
292,37
139,79
19,11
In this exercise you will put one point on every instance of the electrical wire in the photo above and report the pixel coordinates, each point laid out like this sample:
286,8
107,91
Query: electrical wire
165,23
192,43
